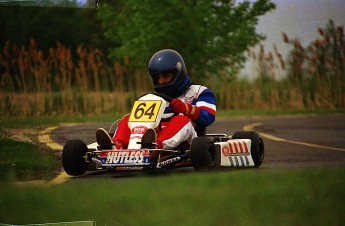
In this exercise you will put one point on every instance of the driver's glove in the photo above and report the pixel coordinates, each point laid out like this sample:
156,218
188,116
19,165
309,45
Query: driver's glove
189,110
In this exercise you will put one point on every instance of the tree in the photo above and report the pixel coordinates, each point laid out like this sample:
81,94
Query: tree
49,25
212,36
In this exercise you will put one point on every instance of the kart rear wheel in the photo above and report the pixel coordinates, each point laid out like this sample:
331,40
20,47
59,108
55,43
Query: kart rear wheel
73,160
257,149
203,154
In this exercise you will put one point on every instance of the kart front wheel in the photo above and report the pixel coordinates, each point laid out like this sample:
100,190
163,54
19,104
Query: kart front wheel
257,147
203,154
73,160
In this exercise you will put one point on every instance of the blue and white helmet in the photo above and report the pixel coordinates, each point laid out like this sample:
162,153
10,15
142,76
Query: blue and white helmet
168,60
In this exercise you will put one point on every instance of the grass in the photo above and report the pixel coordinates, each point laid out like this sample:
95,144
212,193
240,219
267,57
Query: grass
251,112
44,121
233,197
25,161
261,196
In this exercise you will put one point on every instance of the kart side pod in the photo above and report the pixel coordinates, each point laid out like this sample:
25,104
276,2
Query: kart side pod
244,149
235,153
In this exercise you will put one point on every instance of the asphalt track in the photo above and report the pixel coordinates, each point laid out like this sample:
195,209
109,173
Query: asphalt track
290,140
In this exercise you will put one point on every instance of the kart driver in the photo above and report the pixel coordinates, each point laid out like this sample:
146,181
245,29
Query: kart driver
191,110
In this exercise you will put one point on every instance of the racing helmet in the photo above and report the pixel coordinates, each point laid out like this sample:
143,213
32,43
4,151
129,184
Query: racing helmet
169,60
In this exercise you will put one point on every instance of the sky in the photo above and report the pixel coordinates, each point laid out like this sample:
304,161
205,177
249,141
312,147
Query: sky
298,19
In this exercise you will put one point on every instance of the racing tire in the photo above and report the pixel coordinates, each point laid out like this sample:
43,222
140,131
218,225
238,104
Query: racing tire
203,154
73,161
257,149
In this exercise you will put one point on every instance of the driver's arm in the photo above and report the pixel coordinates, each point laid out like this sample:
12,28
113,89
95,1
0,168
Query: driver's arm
202,110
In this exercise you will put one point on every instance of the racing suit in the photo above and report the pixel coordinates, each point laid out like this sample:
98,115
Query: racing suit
176,128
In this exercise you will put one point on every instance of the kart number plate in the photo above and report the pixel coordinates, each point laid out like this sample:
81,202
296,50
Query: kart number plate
145,111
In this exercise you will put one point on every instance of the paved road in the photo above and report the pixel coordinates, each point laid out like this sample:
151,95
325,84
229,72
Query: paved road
290,141
297,141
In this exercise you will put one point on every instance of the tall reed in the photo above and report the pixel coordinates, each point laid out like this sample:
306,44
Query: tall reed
314,75
318,69
65,81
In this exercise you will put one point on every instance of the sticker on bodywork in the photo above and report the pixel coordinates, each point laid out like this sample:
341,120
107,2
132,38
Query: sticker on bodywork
125,157
145,111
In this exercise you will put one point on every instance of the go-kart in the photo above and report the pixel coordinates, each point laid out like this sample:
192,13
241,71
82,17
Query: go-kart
207,151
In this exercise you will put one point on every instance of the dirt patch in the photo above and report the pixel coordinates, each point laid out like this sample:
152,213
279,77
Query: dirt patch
26,135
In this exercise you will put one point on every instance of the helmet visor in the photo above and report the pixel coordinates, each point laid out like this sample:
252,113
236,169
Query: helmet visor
164,77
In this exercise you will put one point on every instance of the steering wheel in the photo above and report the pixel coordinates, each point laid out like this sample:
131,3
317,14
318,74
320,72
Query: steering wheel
165,97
